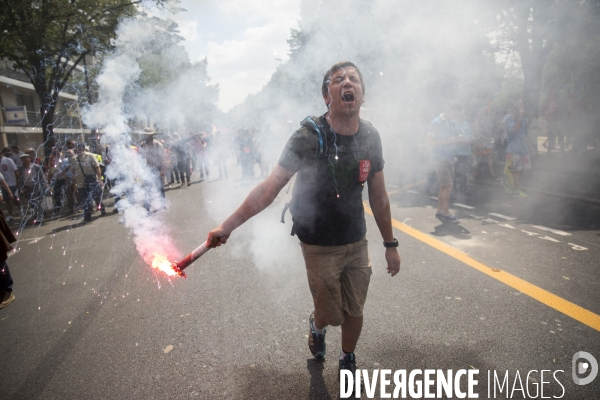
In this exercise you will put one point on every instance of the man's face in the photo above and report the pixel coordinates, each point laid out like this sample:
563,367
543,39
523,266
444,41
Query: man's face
31,154
345,92
149,138
26,161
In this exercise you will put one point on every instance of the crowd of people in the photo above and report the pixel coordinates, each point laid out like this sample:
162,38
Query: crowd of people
74,181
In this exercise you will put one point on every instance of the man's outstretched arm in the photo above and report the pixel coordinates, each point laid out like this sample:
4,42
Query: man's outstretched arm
380,204
259,198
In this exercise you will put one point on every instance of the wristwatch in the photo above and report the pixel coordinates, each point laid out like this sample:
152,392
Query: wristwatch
391,244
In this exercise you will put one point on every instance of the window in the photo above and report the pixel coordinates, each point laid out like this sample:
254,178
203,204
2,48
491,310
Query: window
25,100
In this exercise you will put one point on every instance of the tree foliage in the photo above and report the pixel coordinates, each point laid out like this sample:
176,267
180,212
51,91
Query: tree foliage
47,39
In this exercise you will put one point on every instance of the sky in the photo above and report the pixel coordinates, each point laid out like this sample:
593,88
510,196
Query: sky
242,40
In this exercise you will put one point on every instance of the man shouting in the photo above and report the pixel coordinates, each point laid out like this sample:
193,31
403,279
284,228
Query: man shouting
334,155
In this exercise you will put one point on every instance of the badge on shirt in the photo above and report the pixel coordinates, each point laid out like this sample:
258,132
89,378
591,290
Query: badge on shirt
364,169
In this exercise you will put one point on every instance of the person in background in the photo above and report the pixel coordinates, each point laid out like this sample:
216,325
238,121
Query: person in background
11,178
462,153
517,150
442,136
168,165
34,159
172,155
33,190
88,179
6,192
221,149
201,145
16,157
6,281
483,146
182,150
62,182
154,154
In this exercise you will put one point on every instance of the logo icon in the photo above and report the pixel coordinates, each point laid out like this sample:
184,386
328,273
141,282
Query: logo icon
583,367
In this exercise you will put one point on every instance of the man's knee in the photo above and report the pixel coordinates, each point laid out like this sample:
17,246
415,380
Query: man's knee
333,320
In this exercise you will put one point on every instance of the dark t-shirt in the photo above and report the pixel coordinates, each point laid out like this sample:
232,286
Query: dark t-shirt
326,206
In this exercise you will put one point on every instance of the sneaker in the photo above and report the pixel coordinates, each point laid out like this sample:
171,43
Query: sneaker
349,364
507,187
189,183
439,216
520,194
316,341
449,218
7,298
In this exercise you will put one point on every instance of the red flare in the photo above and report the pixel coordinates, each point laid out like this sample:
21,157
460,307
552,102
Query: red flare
182,264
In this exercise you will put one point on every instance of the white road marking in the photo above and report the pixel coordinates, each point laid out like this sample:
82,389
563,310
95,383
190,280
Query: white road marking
530,233
549,239
433,198
502,216
577,247
557,232
507,226
34,240
475,216
490,221
411,191
464,206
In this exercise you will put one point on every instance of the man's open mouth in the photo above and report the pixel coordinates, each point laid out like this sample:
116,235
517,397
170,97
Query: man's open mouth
348,97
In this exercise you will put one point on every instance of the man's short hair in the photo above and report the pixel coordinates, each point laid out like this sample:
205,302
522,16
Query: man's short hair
4,150
334,68
454,106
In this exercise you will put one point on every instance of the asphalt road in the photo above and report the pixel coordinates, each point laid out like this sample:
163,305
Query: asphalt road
91,320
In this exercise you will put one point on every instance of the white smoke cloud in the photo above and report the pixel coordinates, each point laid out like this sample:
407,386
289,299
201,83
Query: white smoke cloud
134,177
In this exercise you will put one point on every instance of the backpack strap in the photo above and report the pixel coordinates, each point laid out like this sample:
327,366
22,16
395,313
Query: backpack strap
316,128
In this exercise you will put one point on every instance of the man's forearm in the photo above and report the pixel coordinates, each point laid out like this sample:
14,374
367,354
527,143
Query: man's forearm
258,199
383,217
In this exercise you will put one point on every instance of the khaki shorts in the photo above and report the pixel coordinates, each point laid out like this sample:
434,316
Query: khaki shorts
445,171
338,277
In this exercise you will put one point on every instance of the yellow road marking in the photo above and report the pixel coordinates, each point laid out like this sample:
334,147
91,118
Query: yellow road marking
551,300
412,185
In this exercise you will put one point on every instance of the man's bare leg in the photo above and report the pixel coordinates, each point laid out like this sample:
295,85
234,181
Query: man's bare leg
516,179
319,323
444,199
351,329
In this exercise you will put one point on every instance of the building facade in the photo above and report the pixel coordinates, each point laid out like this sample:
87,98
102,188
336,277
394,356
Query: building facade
20,121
